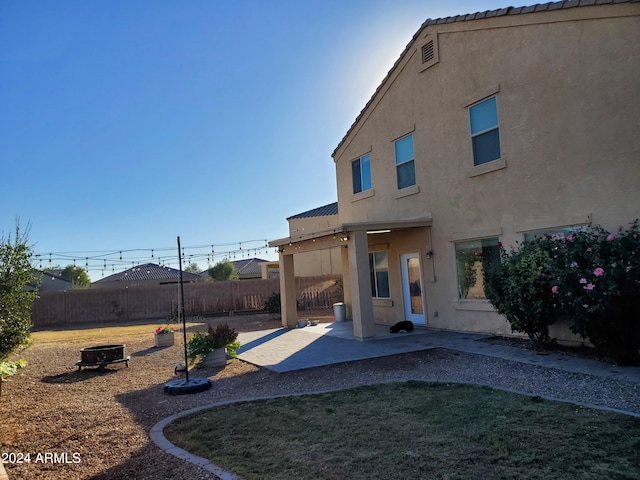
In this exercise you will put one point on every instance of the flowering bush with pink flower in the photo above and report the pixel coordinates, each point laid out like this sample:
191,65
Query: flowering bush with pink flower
591,277
596,284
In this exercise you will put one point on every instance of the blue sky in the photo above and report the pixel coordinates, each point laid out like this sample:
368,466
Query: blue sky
124,124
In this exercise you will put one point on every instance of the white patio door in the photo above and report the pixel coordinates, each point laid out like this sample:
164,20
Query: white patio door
412,288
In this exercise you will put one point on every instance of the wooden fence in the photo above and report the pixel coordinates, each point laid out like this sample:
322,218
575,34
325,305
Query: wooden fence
161,302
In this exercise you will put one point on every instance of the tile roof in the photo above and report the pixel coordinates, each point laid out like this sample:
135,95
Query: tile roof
148,271
248,267
331,209
538,7
500,12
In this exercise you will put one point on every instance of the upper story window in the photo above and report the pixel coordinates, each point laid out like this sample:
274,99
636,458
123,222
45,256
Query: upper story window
485,135
405,163
361,173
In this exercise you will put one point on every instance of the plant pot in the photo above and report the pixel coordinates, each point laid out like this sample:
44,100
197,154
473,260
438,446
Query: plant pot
164,339
215,358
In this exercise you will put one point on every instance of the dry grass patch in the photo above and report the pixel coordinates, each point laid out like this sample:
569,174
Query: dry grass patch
96,333
413,430
107,333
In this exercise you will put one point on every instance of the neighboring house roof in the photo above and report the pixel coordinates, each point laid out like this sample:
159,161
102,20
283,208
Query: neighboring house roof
149,271
500,12
48,281
331,209
246,268
249,267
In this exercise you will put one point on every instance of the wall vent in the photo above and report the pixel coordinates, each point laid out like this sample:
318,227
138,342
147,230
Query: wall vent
428,52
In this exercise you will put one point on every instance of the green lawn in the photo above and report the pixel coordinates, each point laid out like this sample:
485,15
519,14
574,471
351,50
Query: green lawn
413,430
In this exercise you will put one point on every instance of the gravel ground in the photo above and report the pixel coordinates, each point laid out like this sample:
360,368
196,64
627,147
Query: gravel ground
104,418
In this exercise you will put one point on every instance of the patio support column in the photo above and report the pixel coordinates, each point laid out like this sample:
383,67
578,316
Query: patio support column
288,304
346,281
360,285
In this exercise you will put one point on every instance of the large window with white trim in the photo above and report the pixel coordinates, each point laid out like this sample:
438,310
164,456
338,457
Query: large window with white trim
558,232
379,269
469,265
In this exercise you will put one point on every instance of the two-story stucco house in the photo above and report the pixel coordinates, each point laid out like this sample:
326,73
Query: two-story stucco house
488,128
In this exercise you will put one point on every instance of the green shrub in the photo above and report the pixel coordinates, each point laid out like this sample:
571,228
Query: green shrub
518,286
272,304
9,368
338,293
16,299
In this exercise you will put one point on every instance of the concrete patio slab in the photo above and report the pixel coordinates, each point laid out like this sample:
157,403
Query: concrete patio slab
283,350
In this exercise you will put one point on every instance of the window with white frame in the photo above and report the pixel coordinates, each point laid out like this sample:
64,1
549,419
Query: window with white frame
560,232
361,173
379,269
469,265
405,162
485,133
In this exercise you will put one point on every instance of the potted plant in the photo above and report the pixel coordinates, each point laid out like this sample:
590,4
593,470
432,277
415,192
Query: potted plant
164,336
211,347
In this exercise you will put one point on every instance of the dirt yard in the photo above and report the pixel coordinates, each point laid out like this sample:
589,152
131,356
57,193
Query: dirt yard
91,424
95,425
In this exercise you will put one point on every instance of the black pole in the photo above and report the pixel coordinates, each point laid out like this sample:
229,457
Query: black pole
184,320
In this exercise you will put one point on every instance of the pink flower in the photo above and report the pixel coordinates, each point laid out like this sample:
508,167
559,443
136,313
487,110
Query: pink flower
589,249
610,237
570,237
554,289
598,272
583,280
589,286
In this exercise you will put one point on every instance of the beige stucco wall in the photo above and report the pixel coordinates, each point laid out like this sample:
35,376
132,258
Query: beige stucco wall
305,225
319,262
568,95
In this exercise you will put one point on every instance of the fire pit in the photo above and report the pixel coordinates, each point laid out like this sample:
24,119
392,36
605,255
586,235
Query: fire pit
102,355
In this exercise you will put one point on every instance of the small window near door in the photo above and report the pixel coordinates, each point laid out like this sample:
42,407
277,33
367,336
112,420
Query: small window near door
379,269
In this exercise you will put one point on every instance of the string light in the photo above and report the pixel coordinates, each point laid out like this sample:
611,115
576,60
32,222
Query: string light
126,258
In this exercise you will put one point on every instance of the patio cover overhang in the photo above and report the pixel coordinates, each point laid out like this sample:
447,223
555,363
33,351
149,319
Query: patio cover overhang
355,265
336,236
